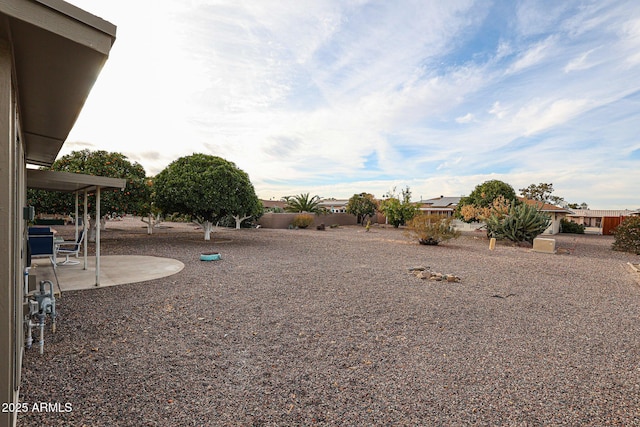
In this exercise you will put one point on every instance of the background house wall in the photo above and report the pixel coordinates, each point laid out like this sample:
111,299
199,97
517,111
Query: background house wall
598,221
283,220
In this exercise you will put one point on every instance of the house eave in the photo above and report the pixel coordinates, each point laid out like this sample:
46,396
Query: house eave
58,51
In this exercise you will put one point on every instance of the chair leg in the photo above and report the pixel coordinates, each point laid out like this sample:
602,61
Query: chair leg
67,261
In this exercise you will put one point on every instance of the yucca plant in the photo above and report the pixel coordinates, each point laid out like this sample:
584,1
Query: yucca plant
522,224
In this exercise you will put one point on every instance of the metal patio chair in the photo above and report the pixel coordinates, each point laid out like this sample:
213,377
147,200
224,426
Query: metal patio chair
70,248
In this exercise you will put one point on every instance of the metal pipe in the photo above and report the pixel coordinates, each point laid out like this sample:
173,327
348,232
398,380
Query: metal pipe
49,303
30,326
41,344
26,281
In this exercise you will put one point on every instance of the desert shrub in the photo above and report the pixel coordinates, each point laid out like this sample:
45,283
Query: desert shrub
627,235
302,220
431,229
567,226
522,224
499,206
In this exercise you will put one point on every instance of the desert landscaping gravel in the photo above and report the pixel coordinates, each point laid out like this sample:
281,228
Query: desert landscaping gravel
309,327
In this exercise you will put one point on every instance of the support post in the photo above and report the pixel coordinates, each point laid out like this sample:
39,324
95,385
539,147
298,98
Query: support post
98,216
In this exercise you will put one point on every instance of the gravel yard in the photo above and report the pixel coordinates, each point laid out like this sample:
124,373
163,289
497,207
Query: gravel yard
308,327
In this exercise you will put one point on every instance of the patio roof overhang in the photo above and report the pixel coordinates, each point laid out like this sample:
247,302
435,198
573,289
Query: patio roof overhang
74,183
70,182
58,52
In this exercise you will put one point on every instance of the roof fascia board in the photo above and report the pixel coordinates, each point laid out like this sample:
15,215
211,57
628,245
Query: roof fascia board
65,20
70,182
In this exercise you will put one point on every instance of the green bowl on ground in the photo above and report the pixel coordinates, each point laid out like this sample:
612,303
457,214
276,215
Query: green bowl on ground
211,256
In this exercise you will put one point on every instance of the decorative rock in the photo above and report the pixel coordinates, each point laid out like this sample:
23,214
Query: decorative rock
425,274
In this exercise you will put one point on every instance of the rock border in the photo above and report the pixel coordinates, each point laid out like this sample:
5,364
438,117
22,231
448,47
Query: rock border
425,273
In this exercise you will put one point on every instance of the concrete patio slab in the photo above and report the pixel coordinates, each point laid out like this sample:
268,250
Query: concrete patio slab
114,270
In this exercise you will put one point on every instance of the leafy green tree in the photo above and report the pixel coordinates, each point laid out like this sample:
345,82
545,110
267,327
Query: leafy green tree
362,205
303,203
149,213
208,188
541,192
134,200
399,210
483,196
582,205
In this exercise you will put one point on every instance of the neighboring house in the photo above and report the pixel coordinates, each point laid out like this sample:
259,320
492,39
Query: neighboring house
273,205
331,205
51,53
599,221
447,206
334,205
440,205
555,212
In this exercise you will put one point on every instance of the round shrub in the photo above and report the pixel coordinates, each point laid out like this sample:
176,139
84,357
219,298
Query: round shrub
567,226
627,235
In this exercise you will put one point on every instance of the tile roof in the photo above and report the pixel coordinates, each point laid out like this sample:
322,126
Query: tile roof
545,207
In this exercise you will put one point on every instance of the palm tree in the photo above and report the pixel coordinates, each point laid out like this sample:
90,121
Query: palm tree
303,203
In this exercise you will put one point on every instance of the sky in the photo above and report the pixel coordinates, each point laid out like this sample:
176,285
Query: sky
341,97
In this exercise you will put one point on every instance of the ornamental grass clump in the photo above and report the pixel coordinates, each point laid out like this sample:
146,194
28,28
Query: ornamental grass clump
627,235
431,229
302,221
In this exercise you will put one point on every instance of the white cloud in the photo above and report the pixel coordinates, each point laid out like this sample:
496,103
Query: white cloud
300,94
532,56
498,110
467,118
540,115
579,63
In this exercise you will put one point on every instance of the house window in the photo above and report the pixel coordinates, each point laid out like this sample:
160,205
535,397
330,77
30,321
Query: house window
593,222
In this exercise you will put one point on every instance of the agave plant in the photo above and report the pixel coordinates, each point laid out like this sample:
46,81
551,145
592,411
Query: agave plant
522,224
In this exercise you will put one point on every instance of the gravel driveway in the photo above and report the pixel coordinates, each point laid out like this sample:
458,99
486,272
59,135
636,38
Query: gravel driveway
308,327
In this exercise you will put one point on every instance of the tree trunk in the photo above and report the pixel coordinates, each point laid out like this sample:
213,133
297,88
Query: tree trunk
151,222
239,220
207,226
92,229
